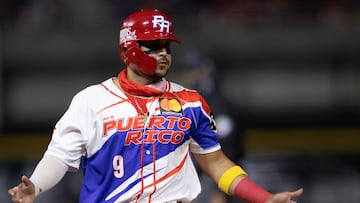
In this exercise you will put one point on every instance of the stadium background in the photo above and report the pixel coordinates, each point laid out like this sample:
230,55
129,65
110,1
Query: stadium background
289,69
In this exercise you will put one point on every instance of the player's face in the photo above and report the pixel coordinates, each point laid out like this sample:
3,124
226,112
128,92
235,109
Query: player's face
160,50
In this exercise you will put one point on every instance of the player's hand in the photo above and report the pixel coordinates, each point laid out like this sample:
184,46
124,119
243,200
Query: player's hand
24,192
285,197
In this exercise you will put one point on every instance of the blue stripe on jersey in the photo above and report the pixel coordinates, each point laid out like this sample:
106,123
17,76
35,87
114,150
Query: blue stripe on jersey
200,129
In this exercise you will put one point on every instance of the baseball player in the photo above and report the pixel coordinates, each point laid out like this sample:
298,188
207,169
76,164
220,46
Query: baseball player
133,135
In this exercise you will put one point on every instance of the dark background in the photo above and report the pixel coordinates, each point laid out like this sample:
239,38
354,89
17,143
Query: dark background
287,71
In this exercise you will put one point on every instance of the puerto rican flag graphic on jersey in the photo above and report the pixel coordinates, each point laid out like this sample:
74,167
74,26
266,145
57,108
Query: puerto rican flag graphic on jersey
127,157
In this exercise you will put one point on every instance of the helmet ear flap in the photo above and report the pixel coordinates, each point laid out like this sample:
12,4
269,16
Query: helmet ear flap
136,58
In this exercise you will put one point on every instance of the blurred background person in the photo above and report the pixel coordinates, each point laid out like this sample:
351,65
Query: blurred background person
202,73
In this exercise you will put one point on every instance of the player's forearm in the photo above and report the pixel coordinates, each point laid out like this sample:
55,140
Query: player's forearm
236,182
249,191
49,171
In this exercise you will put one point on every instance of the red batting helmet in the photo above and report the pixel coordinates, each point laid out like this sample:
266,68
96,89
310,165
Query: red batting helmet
143,25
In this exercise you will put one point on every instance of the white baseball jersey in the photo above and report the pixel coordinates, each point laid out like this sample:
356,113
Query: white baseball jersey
127,157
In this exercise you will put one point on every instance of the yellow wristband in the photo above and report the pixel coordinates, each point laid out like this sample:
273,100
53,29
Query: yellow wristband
228,177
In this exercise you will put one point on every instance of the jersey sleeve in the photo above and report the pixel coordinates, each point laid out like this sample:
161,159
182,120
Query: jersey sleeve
204,139
68,139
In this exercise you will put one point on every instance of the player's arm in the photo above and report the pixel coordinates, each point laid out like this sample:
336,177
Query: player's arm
233,180
49,171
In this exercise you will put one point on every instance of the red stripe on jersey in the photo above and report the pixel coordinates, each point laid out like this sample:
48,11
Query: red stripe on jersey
171,173
154,170
185,96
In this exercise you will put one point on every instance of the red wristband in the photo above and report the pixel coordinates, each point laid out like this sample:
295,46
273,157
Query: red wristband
249,191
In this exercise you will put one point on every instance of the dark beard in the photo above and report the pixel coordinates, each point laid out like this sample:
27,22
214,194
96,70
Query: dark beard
153,78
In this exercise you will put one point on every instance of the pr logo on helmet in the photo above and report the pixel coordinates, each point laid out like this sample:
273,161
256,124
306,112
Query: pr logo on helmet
160,22
127,35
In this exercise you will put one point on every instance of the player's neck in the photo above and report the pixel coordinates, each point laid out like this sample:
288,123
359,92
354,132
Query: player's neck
131,87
